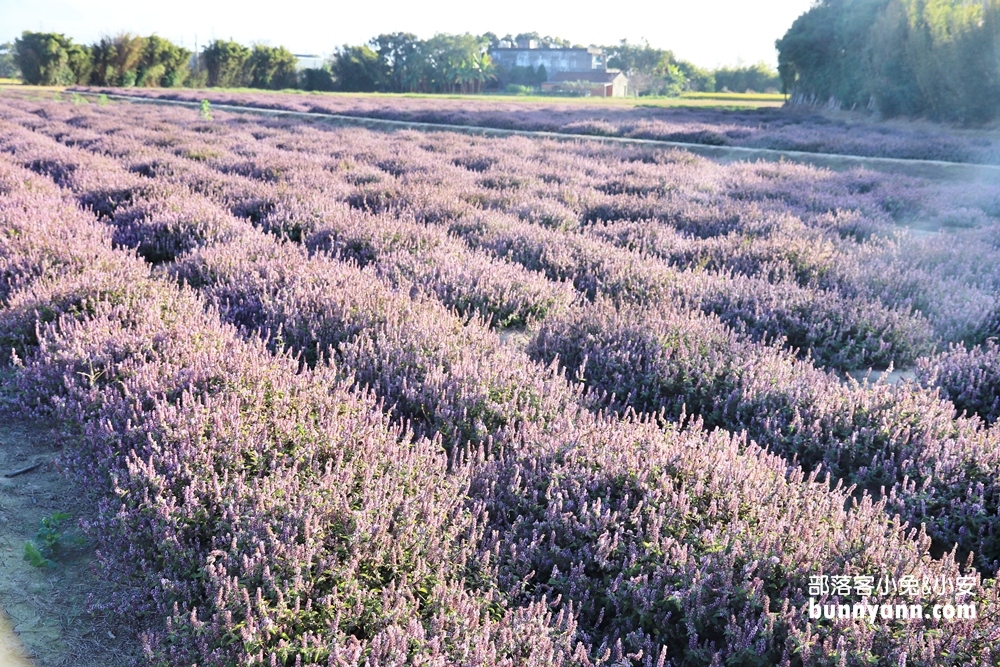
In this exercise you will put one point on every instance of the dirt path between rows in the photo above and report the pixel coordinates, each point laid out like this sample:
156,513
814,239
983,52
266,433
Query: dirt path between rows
46,607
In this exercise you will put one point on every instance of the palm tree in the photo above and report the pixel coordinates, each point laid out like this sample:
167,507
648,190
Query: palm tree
465,74
484,70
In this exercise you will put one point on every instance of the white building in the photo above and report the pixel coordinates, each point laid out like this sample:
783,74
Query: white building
309,61
554,60
597,83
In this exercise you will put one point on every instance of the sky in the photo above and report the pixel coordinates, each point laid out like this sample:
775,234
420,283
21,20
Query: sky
709,33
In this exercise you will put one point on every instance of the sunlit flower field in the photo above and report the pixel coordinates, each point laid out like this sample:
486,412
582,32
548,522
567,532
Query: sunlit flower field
351,397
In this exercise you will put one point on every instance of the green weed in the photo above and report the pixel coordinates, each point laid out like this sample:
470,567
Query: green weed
47,543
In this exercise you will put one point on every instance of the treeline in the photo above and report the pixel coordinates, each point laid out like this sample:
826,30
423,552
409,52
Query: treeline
657,71
758,78
401,63
232,65
392,62
53,59
933,58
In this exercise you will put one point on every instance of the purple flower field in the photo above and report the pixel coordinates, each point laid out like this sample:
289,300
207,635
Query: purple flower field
780,129
347,397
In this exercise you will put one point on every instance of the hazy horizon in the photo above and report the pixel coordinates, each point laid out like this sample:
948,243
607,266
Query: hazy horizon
709,34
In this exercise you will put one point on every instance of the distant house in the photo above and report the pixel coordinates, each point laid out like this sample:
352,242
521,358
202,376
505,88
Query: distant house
554,60
596,83
580,70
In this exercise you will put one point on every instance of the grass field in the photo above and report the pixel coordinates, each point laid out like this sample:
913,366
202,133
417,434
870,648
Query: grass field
693,100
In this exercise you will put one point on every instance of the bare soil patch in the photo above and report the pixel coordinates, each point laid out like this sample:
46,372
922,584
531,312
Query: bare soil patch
47,607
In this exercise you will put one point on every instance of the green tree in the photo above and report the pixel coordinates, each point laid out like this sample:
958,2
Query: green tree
808,53
272,67
226,64
638,58
939,58
890,76
116,60
698,79
954,54
163,63
400,60
51,59
317,78
743,78
456,63
492,38
542,75
483,70
8,62
356,69
79,62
